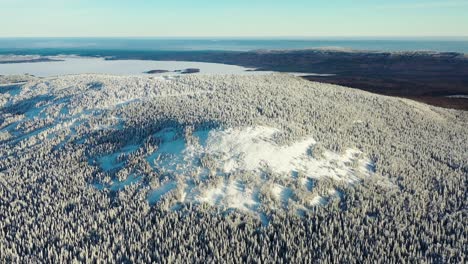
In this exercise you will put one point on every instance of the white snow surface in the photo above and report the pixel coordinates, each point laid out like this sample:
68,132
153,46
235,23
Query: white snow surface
233,167
84,65
252,151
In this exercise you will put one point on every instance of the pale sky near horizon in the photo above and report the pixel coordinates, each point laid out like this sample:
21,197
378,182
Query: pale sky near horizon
249,18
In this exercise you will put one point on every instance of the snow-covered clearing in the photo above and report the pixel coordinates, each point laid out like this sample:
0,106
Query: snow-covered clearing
252,149
242,160
242,168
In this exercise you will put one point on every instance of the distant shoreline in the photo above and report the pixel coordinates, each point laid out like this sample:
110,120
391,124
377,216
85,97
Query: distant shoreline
384,43
430,77
45,59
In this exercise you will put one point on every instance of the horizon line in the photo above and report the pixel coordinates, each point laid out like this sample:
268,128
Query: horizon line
249,37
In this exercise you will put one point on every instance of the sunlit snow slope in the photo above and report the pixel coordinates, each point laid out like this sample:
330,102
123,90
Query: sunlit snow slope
130,136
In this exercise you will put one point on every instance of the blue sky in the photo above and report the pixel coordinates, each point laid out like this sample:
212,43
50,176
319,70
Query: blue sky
250,18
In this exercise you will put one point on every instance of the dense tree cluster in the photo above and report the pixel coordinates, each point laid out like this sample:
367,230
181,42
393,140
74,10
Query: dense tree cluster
59,204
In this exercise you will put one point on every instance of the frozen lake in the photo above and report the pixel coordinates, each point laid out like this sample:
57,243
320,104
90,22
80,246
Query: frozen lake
79,65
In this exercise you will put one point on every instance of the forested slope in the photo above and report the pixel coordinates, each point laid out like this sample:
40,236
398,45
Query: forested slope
227,169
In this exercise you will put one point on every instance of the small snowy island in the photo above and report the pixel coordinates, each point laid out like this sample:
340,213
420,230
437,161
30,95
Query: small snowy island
157,71
184,71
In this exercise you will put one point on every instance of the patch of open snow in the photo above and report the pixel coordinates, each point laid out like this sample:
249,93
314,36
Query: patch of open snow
233,194
110,161
169,155
308,183
128,101
264,219
213,196
282,193
318,200
202,136
12,89
251,150
118,185
156,195
35,112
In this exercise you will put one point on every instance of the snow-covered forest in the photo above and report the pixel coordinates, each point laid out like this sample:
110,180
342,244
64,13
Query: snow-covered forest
226,168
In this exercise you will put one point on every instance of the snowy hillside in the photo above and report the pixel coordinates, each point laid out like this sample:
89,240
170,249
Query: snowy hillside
86,150
242,167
